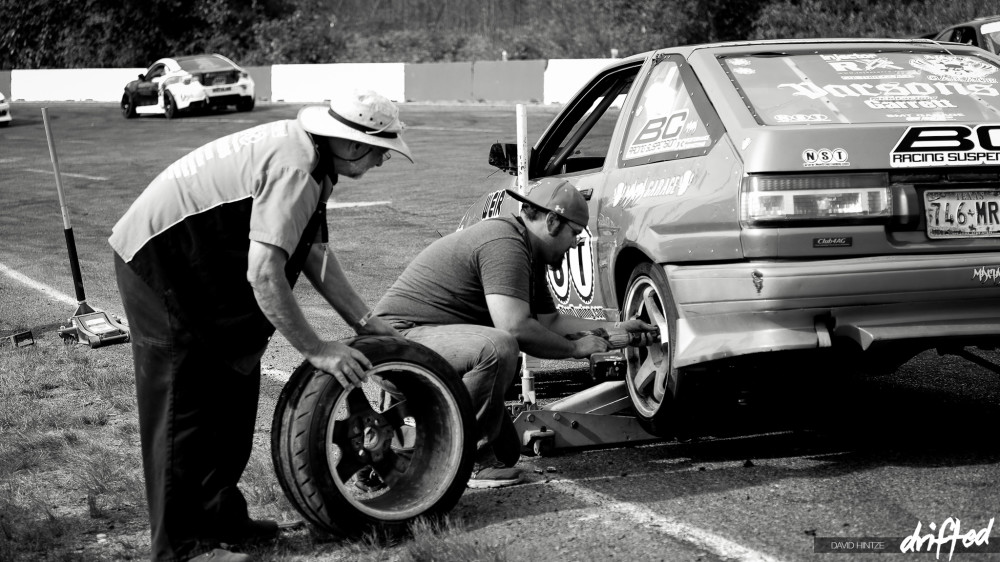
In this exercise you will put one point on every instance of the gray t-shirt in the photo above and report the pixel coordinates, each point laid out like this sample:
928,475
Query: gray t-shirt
448,281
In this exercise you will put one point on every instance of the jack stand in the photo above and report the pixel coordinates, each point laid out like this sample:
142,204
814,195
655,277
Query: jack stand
93,327
590,418
87,325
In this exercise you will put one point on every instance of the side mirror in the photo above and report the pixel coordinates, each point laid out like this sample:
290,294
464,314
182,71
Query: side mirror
142,77
504,156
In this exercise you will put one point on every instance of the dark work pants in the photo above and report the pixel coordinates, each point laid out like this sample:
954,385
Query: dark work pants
196,422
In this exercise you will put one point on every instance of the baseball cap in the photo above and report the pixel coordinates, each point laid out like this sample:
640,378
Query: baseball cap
558,196
361,115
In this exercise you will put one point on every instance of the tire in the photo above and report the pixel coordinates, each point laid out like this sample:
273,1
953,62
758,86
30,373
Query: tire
169,106
128,107
323,440
245,104
653,381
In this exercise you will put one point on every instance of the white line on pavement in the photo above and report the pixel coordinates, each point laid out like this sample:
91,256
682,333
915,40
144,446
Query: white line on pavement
453,129
346,205
41,287
84,176
653,521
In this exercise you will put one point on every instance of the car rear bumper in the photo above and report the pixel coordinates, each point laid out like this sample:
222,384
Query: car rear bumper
726,310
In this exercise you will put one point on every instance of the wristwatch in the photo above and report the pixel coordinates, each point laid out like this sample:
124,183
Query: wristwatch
364,319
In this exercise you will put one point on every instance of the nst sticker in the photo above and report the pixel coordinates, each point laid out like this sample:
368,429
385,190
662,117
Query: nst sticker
947,145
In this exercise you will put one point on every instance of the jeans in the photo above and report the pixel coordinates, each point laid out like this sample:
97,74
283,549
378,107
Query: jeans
487,359
197,417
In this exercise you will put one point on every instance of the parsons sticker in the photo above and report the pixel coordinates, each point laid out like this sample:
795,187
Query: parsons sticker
947,145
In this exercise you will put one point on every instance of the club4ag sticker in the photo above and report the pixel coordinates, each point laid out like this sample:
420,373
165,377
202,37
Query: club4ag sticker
947,145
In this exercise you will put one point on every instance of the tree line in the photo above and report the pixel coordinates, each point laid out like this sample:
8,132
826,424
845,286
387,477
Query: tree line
133,33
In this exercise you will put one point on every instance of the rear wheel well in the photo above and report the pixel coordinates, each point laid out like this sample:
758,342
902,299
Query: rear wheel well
626,261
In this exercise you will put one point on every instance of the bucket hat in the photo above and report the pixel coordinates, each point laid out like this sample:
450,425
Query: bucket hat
364,116
557,196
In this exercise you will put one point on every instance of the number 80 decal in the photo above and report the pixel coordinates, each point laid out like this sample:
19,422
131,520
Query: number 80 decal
577,269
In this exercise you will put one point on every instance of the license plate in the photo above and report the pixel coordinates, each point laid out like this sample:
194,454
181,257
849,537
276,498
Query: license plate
963,214
226,89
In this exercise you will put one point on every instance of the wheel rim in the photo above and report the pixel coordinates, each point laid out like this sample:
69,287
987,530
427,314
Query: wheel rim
126,107
415,444
647,366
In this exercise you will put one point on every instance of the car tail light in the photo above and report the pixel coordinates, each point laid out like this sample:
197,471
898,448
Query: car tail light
849,198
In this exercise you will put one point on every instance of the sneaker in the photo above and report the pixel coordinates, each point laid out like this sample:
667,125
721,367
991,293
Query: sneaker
495,475
220,555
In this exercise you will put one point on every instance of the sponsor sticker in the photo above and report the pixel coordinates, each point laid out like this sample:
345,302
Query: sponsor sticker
835,157
802,118
627,194
833,242
947,145
953,67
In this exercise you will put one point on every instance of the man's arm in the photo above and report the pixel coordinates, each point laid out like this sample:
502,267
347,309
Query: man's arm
513,316
266,274
566,324
337,290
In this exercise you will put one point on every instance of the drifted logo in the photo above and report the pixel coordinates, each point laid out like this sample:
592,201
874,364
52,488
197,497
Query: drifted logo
833,242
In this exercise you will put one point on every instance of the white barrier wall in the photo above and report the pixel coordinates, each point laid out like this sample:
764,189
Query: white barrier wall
73,84
311,83
564,77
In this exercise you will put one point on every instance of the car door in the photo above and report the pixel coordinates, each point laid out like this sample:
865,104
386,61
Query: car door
147,91
577,146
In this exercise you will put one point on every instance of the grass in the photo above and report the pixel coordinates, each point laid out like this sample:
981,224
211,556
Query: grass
71,472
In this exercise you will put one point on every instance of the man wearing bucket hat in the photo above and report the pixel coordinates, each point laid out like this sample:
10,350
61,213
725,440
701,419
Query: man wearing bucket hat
478,297
206,259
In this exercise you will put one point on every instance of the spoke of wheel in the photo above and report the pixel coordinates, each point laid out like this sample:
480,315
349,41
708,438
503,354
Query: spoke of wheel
655,315
394,414
349,465
644,375
659,387
357,402
340,437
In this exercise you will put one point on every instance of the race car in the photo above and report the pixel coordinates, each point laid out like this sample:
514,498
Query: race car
980,32
174,85
5,116
833,200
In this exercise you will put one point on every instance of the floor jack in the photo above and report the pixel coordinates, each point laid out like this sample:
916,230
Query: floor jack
596,417
87,325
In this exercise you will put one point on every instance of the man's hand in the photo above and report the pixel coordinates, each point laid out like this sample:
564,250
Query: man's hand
377,327
345,363
586,346
635,325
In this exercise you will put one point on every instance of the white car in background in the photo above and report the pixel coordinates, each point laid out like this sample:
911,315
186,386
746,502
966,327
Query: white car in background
173,85
5,116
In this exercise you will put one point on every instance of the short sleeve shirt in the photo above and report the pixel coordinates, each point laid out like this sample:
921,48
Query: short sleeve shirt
448,281
188,233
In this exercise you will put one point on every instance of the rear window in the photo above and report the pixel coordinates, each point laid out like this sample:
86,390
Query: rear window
859,87
203,64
